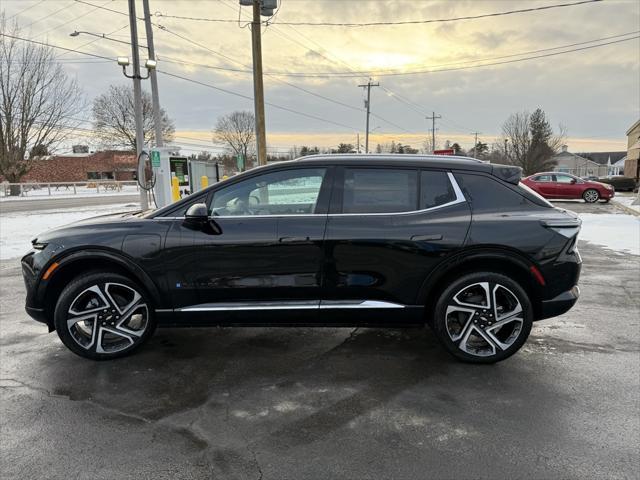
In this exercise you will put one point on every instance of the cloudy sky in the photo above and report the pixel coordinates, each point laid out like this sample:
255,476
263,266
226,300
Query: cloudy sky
316,70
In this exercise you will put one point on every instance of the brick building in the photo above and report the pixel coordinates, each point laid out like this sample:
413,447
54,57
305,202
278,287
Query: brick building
80,167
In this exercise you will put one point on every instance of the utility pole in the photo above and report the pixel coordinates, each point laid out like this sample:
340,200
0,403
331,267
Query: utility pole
475,145
433,119
157,118
358,142
137,100
258,88
367,103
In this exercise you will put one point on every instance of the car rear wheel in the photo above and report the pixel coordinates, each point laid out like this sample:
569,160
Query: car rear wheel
483,317
103,315
591,196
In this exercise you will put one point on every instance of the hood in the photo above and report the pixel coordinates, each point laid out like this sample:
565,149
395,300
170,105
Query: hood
111,221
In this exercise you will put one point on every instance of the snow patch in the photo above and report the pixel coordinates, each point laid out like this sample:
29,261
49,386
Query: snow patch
612,231
19,228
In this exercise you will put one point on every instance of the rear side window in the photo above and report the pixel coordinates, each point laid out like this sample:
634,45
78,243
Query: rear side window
379,190
435,189
487,194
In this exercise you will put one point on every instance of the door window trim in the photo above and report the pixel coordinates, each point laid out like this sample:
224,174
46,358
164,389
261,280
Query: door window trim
326,195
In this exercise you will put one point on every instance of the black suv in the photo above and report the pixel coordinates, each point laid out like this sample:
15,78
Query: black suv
332,240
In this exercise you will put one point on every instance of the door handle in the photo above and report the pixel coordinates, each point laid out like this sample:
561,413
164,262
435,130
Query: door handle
293,239
424,238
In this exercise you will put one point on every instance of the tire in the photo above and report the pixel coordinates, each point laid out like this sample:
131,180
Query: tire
590,195
116,305
475,334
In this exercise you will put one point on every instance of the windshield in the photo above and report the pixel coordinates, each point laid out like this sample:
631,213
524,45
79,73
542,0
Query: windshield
533,195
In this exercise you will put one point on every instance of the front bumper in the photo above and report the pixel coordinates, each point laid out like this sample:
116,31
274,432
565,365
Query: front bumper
608,194
560,304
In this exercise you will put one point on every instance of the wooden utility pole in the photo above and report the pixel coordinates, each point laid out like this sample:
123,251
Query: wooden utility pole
258,87
367,103
475,145
433,119
137,99
157,118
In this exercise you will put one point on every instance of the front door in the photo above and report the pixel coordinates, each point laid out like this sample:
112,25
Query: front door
545,185
567,186
264,248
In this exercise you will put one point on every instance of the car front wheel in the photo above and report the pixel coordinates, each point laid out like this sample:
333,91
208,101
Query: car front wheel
591,196
483,317
103,315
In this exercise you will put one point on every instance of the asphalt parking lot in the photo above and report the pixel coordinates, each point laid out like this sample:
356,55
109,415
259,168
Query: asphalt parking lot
304,403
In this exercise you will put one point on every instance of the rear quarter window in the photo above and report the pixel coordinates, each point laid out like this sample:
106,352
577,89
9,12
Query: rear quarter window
487,194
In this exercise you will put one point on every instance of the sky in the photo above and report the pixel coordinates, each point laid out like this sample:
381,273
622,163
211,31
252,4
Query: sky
312,72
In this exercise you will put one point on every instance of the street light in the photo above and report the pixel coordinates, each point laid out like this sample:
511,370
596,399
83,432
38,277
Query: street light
76,33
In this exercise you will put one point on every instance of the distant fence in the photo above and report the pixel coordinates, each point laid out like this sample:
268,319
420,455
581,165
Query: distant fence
88,188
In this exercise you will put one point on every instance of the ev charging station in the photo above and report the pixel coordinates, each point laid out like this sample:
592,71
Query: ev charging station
171,176
176,175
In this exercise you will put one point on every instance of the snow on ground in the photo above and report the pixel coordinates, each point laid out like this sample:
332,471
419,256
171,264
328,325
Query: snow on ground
19,228
63,192
627,201
612,231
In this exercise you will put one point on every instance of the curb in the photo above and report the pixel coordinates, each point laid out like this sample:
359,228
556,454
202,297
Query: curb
625,208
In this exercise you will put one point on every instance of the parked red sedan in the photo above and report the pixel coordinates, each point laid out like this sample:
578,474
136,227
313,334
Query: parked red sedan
563,185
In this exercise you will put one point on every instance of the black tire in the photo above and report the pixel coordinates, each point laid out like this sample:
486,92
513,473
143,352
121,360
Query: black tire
119,287
476,280
591,195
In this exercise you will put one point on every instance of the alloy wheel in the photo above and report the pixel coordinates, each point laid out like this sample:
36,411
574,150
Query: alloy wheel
591,196
484,318
107,318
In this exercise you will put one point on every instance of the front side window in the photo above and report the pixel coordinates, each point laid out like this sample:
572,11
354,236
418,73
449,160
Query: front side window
435,189
543,178
288,192
379,190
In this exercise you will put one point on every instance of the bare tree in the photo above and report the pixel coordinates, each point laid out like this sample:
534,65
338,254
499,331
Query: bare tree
114,118
37,104
531,142
236,132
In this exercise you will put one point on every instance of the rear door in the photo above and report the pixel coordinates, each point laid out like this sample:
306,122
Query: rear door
388,227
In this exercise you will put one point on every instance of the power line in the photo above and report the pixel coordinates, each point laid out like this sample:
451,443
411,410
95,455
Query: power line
55,46
230,92
49,15
287,109
420,72
25,9
374,24
434,68
73,19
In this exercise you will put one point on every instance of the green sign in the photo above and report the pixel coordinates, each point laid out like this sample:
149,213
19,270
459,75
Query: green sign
240,162
155,158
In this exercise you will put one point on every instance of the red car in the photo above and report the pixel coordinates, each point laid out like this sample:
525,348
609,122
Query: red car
562,185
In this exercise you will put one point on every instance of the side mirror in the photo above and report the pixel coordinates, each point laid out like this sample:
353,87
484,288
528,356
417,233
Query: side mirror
197,218
573,181
197,215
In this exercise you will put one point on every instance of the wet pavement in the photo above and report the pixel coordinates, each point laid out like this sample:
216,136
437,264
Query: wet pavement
314,403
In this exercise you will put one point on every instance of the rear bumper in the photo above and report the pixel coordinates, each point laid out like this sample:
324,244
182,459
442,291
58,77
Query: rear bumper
559,304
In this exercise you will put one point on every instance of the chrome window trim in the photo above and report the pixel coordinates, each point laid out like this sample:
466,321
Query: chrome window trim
456,188
290,305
